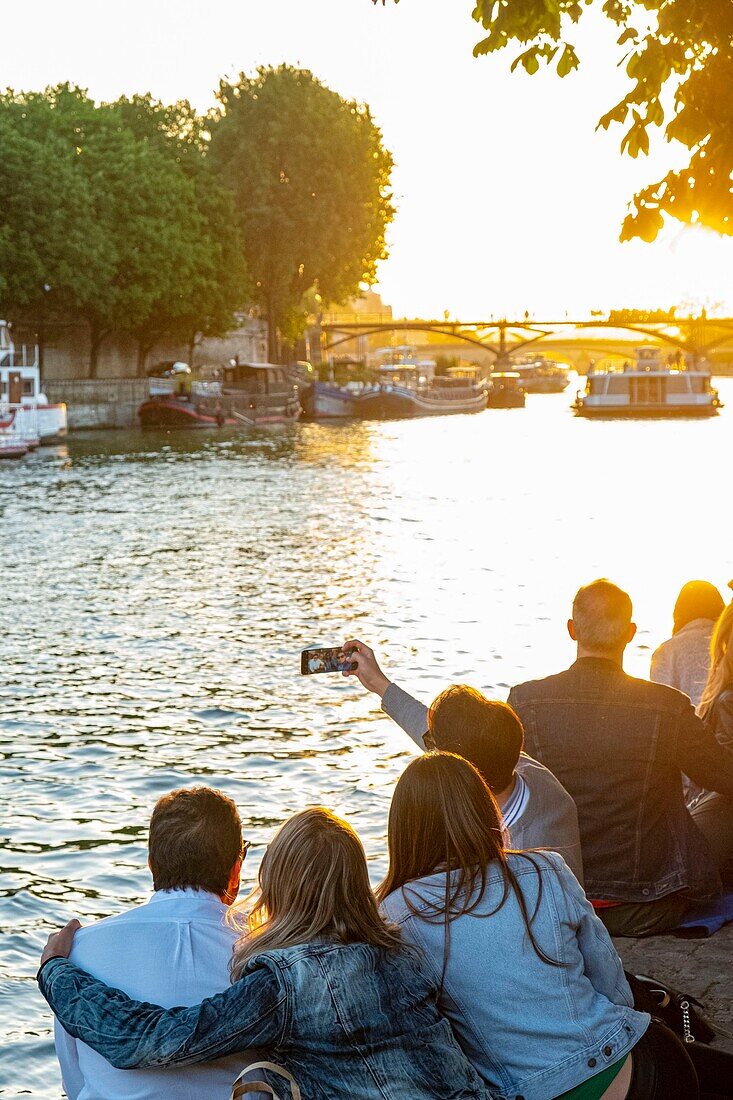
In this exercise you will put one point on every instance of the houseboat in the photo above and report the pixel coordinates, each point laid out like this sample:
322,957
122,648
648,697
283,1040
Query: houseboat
540,375
330,401
648,387
235,395
404,392
506,391
26,417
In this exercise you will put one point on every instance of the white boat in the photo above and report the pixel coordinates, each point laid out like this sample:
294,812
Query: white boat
540,375
25,413
648,388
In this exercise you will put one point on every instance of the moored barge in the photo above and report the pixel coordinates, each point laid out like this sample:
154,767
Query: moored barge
237,395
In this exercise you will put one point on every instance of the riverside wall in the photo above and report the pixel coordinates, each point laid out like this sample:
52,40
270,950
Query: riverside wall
99,402
111,400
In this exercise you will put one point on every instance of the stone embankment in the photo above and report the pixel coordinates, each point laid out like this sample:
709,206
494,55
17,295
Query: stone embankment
100,402
702,967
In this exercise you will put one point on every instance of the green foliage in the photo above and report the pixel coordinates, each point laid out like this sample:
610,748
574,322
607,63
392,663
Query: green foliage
686,46
311,182
116,208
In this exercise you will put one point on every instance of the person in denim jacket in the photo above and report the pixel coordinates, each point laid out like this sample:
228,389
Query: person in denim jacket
620,747
528,975
322,985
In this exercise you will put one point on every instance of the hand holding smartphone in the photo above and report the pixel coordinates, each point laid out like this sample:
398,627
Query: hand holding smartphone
333,659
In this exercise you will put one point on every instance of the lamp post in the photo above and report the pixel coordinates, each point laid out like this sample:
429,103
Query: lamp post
42,327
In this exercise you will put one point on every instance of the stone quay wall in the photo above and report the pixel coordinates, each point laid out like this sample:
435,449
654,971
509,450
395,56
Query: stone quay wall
111,400
100,402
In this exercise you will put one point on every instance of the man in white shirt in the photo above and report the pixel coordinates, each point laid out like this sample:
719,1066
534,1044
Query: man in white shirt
173,950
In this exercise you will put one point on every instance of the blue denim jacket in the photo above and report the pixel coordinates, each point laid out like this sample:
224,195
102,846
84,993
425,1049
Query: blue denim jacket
533,1031
348,1021
619,746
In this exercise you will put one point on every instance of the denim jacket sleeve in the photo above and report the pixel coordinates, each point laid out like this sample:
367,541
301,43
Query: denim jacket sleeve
603,967
701,756
720,720
409,713
136,1035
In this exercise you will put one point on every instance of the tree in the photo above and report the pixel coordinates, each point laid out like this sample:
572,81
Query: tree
48,232
311,182
680,47
210,275
115,207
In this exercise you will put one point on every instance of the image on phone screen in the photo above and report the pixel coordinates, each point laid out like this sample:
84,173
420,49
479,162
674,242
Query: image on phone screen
332,659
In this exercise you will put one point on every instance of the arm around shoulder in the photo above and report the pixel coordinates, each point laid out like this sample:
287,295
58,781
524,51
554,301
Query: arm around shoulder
248,1014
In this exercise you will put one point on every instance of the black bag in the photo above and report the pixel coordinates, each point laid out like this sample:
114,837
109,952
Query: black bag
682,1013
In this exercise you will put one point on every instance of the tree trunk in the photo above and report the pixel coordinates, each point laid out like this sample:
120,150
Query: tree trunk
144,347
273,331
96,339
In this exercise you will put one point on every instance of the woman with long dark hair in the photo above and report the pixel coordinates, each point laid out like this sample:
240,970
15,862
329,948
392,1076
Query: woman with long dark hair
322,985
528,975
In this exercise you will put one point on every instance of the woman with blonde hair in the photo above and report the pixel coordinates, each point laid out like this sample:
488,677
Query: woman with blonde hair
322,985
713,812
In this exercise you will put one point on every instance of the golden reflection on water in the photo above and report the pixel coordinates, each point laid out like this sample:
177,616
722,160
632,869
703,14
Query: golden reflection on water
163,586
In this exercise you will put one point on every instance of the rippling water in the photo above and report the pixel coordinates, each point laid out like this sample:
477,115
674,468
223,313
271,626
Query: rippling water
158,590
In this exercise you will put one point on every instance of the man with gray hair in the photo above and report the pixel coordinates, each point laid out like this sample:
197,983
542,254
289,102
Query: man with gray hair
620,747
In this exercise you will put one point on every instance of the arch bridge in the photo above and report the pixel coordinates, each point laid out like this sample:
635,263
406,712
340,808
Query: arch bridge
695,337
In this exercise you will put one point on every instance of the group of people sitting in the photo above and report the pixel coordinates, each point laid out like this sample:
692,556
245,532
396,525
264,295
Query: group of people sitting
478,969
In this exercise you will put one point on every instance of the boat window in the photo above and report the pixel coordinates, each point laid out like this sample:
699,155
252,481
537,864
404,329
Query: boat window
28,388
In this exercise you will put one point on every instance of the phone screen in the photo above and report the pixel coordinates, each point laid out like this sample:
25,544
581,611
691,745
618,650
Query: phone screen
325,660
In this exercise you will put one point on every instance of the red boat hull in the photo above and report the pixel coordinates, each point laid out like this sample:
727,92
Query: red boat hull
170,413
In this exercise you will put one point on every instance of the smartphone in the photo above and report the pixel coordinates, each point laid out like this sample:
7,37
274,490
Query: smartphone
325,660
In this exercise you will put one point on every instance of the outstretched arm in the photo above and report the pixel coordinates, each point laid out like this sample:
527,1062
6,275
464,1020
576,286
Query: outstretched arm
409,713
133,1034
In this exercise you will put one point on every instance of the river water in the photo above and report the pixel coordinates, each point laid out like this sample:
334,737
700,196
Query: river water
158,591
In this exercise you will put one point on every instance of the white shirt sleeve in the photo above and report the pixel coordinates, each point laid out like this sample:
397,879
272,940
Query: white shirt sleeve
66,1053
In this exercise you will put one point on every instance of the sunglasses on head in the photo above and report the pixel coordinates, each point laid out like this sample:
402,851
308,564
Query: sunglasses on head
246,845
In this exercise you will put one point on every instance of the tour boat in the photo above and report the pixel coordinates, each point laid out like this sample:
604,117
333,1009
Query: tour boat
26,417
540,375
236,395
505,391
648,388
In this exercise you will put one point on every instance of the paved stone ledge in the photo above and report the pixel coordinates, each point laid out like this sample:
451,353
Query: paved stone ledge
702,967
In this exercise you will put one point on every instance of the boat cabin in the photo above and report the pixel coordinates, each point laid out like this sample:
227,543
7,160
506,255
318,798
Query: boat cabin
255,378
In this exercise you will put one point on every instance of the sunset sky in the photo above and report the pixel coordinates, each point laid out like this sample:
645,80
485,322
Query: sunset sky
507,199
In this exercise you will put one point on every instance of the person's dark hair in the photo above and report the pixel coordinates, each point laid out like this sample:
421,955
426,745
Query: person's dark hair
602,616
483,731
697,600
195,840
444,818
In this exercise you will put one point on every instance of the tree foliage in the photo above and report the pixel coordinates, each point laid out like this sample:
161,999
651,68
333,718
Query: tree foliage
310,177
115,207
683,46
